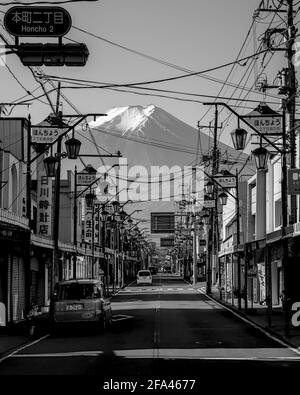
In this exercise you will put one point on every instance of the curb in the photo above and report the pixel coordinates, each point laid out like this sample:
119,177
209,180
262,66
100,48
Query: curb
263,328
11,350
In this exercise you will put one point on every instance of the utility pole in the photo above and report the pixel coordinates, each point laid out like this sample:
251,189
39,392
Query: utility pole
75,212
55,266
28,215
238,241
215,227
291,99
195,238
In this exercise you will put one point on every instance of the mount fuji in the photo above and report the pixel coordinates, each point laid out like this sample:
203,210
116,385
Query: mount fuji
148,135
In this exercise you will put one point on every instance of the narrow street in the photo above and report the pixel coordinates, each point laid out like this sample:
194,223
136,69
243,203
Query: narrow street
166,330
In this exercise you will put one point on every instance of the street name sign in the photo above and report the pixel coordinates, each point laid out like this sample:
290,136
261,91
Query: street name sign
37,21
226,182
85,179
46,134
210,203
269,125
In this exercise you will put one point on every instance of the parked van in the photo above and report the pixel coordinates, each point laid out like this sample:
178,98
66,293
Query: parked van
82,300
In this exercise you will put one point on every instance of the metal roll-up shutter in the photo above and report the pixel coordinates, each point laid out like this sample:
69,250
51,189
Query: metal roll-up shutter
18,288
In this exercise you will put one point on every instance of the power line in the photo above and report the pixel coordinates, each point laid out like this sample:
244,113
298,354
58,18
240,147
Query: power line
48,2
154,59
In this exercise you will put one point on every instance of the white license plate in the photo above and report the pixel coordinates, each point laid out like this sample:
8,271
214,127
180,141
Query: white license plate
72,307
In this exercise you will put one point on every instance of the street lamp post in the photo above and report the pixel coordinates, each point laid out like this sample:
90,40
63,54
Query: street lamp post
260,158
77,196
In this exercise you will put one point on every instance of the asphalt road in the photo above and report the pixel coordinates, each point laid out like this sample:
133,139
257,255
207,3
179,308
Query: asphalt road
164,331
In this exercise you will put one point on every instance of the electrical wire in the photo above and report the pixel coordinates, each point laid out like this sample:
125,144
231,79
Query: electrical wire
47,2
165,63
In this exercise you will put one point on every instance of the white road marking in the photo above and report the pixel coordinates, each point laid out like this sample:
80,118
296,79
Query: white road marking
61,354
219,354
23,348
257,354
120,317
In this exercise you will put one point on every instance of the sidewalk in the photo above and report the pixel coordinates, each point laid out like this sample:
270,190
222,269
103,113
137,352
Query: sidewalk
259,316
12,338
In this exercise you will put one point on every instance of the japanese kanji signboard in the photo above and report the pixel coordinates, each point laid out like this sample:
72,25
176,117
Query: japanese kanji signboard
37,21
293,187
45,134
85,179
209,203
226,182
88,225
44,202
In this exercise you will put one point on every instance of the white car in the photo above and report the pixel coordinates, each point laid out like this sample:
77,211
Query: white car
144,277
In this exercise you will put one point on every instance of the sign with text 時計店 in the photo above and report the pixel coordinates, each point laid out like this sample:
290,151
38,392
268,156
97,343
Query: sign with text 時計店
44,202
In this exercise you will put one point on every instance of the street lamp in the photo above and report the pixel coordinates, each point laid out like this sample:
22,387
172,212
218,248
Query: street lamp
72,148
104,215
122,215
89,198
261,156
209,187
50,164
239,137
115,205
72,151
223,198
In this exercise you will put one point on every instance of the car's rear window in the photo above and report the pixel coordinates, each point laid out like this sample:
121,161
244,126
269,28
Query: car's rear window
76,291
144,273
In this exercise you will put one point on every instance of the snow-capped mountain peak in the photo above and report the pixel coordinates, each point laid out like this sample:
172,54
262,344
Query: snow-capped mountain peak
125,119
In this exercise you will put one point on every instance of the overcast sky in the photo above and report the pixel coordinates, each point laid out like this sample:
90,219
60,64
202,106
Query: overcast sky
193,34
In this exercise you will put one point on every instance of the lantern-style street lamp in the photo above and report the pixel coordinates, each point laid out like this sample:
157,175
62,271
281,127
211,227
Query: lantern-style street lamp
115,205
123,215
261,156
104,215
209,187
239,137
72,151
50,164
72,148
223,198
89,198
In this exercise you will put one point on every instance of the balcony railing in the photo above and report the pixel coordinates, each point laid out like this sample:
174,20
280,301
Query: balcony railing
13,219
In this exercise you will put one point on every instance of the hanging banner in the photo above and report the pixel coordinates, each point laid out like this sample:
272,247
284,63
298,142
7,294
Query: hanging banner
88,225
262,280
44,202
